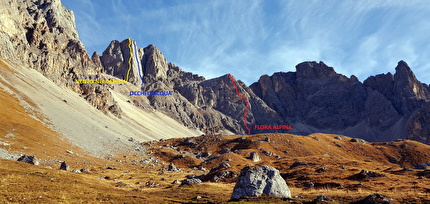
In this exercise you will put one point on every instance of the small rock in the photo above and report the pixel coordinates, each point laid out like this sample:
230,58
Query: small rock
197,197
150,184
192,181
322,198
376,198
76,171
267,153
4,144
123,185
64,166
224,151
298,163
175,182
358,140
225,174
29,159
223,165
339,145
366,174
309,185
172,167
320,170
85,170
338,138
205,154
69,151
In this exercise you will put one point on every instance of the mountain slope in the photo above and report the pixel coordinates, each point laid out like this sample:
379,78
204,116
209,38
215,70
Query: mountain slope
84,125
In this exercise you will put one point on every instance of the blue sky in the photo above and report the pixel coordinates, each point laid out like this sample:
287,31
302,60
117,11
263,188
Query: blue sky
249,38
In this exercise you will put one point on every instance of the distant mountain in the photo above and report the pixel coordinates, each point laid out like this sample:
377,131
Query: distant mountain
313,99
42,35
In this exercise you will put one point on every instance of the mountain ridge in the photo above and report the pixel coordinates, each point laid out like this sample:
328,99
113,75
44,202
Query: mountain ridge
314,98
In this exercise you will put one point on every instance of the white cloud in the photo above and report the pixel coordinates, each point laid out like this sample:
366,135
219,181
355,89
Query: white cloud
250,38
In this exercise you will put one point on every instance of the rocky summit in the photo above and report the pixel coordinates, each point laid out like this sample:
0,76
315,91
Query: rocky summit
313,99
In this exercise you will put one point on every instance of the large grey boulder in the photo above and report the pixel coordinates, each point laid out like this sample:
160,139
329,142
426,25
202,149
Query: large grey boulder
259,180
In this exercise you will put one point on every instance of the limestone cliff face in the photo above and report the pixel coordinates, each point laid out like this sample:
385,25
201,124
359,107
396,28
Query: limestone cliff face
41,34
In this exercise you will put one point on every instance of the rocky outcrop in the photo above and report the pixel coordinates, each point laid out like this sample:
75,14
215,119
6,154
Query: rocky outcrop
29,159
254,157
314,95
41,34
259,180
64,166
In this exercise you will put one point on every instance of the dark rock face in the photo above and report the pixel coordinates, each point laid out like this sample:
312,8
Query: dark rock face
260,180
389,106
314,95
64,166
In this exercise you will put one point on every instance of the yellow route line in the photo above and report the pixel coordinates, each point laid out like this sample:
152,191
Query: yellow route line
129,60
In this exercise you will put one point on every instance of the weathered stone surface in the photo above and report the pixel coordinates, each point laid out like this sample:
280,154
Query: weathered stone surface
172,167
254,157
259,180
29,159
191,181
42,35
64,166
375,198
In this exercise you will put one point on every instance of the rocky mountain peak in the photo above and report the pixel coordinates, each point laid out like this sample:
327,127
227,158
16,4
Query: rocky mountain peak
407,84
155,65
314,70
42,35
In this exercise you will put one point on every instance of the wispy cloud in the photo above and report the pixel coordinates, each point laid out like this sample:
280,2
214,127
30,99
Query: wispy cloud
249,38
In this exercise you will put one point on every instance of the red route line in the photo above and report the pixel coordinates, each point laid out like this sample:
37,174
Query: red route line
246,102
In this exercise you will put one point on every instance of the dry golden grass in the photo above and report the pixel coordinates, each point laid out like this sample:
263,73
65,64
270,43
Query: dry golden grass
24,183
